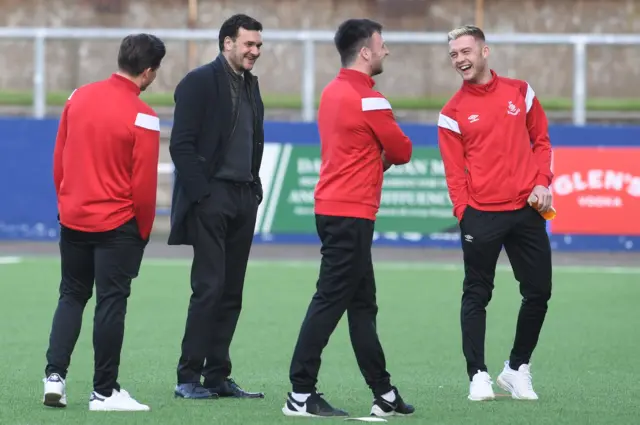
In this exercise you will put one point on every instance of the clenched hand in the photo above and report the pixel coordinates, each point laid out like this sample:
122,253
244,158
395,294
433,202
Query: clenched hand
541,198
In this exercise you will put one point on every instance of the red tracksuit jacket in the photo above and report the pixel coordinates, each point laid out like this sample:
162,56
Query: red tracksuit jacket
495,145
105,163
356,125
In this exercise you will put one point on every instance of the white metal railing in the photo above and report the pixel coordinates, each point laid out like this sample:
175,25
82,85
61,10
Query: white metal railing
309,38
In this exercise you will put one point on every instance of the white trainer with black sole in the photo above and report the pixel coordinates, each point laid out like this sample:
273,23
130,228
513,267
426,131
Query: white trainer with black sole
119,401
55,392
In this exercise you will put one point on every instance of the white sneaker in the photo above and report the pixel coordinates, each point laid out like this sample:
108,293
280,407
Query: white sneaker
55,394
517,382
119,401
481,387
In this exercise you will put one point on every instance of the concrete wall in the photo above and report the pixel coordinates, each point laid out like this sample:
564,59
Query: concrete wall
412,70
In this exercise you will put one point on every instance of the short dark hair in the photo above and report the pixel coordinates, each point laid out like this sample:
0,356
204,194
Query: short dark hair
231,26
352,35
139,52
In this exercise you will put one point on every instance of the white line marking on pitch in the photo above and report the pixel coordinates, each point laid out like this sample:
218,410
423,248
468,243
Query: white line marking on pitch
10,260
407,265
378,265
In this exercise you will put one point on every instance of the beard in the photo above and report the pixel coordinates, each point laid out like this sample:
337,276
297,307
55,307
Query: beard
244,63
376,69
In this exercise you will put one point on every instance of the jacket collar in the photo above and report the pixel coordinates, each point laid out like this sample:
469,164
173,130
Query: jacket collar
356,77
125,83
480,89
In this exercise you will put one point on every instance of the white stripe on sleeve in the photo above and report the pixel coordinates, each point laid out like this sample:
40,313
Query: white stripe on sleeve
375,104
147,121
528,100
448,123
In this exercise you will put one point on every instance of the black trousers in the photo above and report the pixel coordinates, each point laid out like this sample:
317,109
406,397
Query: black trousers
346,283
112,259
225,224
524,237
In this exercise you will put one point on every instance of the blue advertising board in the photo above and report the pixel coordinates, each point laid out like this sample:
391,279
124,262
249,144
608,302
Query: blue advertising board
29,208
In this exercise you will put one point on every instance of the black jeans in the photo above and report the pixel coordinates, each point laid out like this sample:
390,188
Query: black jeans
346,283
524,237
112,259
225,226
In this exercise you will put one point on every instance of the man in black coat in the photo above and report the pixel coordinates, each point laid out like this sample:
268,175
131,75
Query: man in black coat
216,146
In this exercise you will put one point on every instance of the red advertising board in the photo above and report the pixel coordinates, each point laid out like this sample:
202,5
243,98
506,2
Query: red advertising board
596,191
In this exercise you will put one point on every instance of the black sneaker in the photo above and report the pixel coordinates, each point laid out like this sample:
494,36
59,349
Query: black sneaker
383,408
315,406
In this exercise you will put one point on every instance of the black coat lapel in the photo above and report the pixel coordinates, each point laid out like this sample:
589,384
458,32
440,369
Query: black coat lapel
222,105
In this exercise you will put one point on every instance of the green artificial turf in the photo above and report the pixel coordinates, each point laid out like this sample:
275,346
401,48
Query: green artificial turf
585,369
25,98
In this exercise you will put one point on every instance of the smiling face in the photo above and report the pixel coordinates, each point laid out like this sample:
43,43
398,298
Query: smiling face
469,57
244,51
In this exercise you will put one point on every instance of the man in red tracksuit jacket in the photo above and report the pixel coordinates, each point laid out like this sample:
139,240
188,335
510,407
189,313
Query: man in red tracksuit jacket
359,140
494,143
105,170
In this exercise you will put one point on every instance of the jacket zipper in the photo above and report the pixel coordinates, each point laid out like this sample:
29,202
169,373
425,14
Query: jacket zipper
515,184
255,138
235,120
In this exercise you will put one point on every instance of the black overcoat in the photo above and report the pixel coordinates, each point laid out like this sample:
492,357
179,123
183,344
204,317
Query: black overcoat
204,117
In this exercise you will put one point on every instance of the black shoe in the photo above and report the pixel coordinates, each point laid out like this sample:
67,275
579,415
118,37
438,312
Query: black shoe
193,391
314,406
383,408
229,388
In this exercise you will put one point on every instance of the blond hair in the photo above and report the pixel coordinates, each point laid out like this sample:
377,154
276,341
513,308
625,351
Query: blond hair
471,30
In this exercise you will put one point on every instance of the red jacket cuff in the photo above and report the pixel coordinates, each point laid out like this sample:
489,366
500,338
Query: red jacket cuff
459,212
542,180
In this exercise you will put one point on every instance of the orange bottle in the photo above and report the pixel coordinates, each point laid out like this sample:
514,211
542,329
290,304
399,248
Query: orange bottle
549,215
